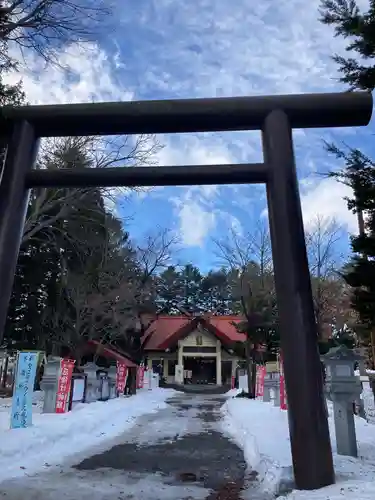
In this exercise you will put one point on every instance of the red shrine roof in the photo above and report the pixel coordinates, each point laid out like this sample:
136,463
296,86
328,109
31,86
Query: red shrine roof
111,353
166,331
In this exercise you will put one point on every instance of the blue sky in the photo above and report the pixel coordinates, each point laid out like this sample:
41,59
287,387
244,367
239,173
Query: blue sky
160,49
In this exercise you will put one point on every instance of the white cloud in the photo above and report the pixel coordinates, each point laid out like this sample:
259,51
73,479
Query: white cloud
195,223
326,199
209,48
86,77
194,208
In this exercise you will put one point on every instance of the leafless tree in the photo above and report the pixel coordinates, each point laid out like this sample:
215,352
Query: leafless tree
156,251
250,261
325,261
237,251
45,26
49,206
322,246
118,306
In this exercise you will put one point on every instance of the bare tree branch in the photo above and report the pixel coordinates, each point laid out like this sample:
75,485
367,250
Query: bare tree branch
49,206
109,309
155,254
237,251
322,246
325,261
45,26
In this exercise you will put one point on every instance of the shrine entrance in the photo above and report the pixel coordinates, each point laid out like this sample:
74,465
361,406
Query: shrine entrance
200,370
21,128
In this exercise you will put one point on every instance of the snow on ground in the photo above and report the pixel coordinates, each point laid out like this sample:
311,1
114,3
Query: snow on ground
262,431
53,437
142,463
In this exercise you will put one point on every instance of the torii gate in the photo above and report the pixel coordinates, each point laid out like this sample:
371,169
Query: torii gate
276,116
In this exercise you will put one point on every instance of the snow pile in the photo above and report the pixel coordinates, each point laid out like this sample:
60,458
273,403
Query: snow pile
53,437
262,432
232,393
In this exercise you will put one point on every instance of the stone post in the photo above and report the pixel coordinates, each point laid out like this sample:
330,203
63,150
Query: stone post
346,441
268,385
218,364
343,389
180,359
276,399
104,387
49,383
271,385
93,382
112,375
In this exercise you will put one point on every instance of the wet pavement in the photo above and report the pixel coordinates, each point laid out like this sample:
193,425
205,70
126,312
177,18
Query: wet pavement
204,455
177,453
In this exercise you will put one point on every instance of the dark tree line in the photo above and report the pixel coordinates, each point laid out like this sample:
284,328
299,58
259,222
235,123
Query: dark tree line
79,275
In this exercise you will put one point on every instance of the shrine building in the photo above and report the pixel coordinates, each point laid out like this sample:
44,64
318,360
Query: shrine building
193,350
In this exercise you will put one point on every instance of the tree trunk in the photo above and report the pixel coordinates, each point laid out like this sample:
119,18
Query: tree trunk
250,370
131,382
253,379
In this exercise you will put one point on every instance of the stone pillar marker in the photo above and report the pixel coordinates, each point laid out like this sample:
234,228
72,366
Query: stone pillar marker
276,394
343,388
180,359
93,382
267,388
271,385
218,363
49,383
112,376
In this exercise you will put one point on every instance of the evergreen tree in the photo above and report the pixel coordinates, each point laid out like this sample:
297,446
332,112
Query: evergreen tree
359,27
359,173
191,281
169,291
69,272
216,292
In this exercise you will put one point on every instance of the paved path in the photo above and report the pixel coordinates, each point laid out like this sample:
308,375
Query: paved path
178,453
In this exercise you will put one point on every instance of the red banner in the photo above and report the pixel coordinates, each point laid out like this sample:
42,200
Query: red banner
122,371
283,399
65,381
140,377
261,375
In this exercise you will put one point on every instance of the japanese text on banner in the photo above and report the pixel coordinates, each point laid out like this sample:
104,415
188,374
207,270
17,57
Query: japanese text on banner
22,401
140,377
65,380
121,376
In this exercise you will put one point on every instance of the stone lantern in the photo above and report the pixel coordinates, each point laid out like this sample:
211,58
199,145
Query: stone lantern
343,388
93,382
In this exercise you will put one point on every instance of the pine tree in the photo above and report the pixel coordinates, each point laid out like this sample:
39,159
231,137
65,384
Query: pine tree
359,27
169,290
216,292
358,71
